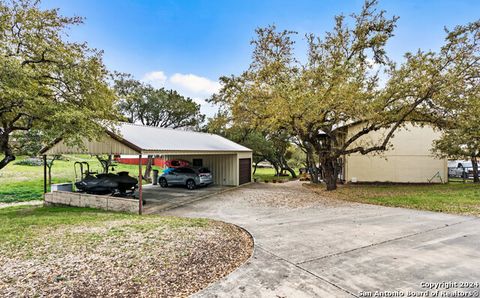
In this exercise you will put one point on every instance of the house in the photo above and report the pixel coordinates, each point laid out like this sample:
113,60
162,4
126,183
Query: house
408,160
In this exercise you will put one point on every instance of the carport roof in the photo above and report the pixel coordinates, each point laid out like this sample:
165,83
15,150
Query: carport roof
133,138
151,138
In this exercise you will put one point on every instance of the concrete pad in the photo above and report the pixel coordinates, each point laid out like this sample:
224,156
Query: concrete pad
265,275
338,250
341,229
449,253
158,199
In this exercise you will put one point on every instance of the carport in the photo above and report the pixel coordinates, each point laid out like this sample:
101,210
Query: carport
229,162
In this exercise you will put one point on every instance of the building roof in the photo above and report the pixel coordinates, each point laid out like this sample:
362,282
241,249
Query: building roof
140,139
150,138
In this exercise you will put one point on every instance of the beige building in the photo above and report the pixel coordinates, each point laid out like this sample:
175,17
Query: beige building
408,160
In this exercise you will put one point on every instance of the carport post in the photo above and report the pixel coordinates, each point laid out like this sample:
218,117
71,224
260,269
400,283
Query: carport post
140,202
44,174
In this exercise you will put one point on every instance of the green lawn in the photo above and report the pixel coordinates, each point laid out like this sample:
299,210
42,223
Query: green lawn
268,174
21,226
458,198
25,183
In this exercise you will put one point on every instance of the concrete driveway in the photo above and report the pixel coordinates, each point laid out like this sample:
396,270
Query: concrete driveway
158,199
308,246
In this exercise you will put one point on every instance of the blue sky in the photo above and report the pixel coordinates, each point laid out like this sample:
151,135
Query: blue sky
187,45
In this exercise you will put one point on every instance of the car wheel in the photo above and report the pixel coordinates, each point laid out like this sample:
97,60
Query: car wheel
163,182
191,184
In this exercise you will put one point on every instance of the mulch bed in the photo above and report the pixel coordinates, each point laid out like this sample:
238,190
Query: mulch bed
124,258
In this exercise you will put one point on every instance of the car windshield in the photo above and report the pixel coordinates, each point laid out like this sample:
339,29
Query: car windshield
203,170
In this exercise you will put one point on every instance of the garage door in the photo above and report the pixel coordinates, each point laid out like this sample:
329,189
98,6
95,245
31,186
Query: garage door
245,174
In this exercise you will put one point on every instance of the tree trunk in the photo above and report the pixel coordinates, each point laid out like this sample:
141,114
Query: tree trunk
474,160
330,172
49,167
7,151
312,167
291,171
286,167
148,167
275,166
105,163
255,168
50,175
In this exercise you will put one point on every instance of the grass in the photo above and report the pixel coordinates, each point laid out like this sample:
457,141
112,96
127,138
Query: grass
268,174
457,198
20,183
20,225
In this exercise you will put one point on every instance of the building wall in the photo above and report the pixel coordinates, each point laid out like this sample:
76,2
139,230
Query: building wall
224,167
105,145
408,159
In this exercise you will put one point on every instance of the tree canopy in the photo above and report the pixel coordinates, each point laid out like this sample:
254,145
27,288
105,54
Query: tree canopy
347,79
46,82
461,133
155,107
274,147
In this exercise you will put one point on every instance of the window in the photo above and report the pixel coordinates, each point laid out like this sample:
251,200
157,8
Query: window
198,162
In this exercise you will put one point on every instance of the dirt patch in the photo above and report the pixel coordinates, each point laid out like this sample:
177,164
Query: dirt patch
33,203
286,195
146,257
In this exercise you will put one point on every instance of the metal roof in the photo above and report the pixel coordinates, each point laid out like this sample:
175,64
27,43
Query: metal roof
156,139
140,139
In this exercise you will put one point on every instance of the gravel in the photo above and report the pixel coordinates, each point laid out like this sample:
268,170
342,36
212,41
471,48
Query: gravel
287,195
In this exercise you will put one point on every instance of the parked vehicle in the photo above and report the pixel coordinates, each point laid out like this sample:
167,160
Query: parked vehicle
264,164
188,176
120,184
460,169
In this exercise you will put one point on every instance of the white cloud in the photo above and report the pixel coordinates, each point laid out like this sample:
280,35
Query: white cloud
195,84
190,85
155,78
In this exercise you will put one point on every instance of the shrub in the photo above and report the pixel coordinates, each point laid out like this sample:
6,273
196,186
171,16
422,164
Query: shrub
30,162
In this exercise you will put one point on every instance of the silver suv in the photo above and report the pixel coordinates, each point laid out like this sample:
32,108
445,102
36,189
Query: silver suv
190,177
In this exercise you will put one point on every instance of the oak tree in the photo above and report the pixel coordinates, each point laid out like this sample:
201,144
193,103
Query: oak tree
347,79
140,102
48,83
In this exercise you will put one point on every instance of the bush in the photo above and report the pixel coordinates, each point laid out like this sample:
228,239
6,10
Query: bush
30,162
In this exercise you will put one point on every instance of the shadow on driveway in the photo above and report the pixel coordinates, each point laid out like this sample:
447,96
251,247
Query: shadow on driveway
159,199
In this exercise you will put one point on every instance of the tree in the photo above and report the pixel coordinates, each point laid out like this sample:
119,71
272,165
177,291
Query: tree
461,135
49,165
28,142
266,146
47,83
460,143
340,85
155,107
143,103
